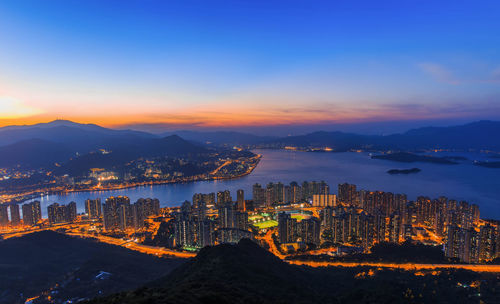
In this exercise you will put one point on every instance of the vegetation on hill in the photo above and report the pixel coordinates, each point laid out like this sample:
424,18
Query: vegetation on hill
37,262
246,273
407,252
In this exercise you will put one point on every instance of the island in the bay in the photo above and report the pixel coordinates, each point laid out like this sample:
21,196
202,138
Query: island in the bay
403,171
407,157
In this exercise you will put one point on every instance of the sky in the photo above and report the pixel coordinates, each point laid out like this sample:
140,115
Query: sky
186,64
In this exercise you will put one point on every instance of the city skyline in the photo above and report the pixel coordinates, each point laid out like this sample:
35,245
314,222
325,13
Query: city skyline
249,151
247,64
303,213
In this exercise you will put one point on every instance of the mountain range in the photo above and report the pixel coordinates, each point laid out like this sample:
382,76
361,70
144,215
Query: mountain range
61,141
79,136
58,141
481,135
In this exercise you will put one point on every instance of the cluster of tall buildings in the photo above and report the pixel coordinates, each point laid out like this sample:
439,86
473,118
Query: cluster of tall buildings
377,216
232,223
193,228
222,197
472,245
350,225
286,194
209,199
119,214
364,218
291,231
356,217
61,213
32,214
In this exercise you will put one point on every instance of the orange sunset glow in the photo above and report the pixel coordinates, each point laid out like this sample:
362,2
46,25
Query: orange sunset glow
249,151
217,115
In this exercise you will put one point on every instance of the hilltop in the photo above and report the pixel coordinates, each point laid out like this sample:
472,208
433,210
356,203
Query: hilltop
247,273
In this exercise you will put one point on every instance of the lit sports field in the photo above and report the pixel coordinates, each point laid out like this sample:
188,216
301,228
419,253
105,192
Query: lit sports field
255,218
266,224
263,224
300,216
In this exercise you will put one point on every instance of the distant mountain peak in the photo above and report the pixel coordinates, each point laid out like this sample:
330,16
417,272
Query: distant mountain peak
61,121
68,123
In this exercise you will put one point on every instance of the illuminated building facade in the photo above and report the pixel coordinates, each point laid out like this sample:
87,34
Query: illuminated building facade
93,208
15,216
61,213
32,213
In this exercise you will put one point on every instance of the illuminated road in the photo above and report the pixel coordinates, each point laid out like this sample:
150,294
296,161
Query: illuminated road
406,266
158,251
227,162
268,238
161,251
20,233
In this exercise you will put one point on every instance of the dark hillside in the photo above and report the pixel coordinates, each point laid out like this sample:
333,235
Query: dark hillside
36,262
246,273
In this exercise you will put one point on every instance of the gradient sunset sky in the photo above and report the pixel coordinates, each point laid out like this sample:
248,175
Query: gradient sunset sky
184,64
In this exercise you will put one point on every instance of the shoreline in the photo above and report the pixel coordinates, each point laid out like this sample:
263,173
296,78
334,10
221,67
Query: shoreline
138,185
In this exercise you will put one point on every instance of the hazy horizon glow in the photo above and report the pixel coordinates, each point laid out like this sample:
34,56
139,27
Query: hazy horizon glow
248,63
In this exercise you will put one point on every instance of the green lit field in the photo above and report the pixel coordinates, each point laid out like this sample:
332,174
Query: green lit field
254,218
190,248
266,224
300,216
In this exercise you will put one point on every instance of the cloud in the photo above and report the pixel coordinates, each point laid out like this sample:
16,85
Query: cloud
439,73
324,114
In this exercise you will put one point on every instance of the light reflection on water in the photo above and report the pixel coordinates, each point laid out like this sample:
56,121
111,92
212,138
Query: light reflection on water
462,182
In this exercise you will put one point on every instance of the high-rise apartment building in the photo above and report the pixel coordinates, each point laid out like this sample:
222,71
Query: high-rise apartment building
324,200
15,216
240,199
93,208
32,213
258,195
223,197
347,194
4,215
287,228
115,211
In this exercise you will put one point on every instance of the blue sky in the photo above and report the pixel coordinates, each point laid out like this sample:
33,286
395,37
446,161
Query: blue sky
249,63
